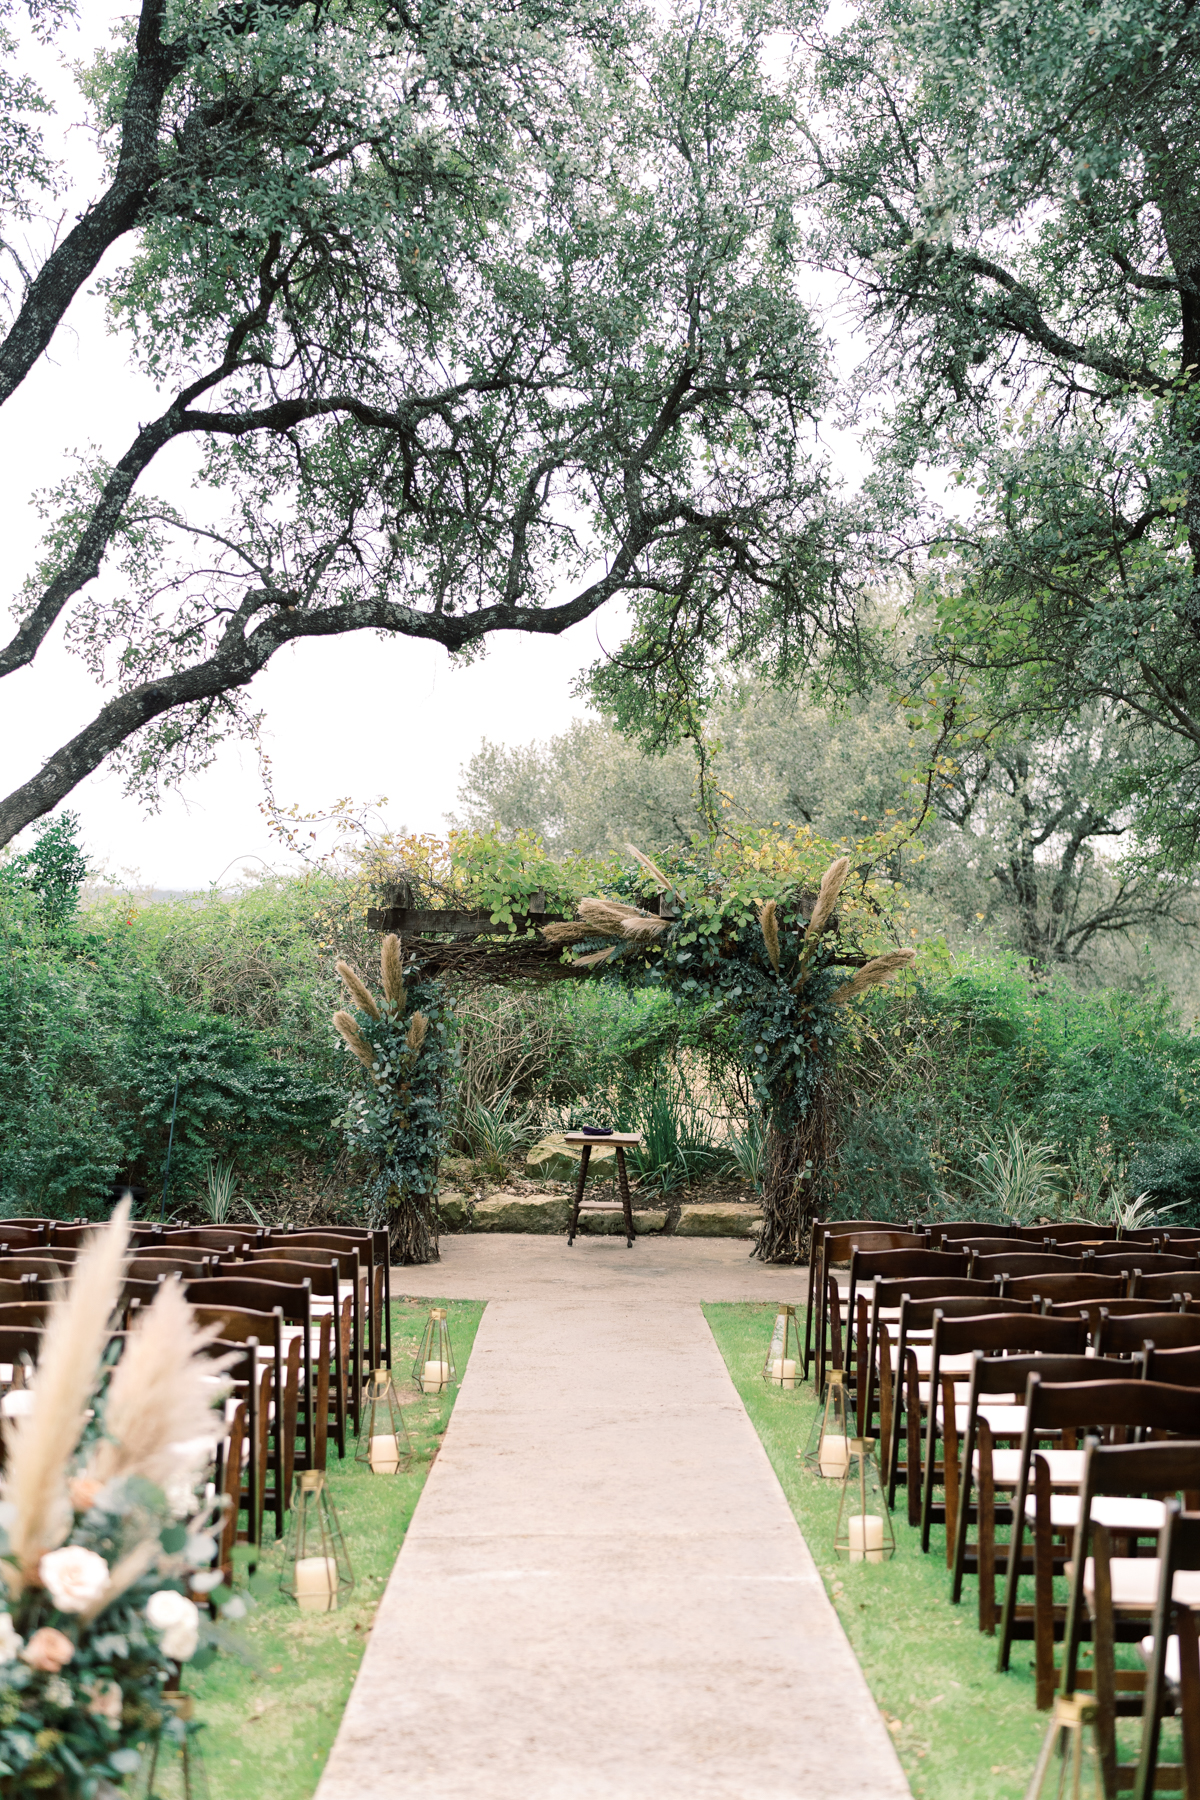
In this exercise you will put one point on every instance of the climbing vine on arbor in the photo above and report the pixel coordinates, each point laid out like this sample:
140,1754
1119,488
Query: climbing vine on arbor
397,1117
776,967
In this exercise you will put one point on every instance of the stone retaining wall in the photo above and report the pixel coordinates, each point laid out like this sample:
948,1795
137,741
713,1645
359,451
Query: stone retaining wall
547,1215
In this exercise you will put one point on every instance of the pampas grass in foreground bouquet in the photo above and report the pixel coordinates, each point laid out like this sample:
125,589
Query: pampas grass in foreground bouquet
103,1543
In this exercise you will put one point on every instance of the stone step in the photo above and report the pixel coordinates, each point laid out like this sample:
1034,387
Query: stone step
548,1214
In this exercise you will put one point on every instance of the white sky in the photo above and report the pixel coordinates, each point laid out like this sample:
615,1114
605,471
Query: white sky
353,716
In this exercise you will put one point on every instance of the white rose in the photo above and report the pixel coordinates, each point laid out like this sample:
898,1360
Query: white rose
75,1577
11,1641
178,1620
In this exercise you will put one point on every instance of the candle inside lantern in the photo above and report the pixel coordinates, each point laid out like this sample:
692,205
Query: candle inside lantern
865,1538
783,1371
834,1456
436,1375
316,1583
385,1457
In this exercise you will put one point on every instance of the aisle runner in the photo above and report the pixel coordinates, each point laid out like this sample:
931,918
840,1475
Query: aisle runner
603,1592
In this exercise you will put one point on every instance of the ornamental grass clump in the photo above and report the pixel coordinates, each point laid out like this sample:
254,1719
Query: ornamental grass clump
103,1541
397,1119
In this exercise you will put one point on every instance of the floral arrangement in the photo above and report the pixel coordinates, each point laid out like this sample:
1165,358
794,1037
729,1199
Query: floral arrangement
103,1544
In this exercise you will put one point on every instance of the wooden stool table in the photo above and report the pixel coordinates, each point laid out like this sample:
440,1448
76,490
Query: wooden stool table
586,1142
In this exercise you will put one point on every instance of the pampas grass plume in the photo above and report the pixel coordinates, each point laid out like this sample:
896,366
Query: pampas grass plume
872,974
593,956
609,916
418,1025
359,992
643,930
770,931
568,931
651,869
344,1025
41,1445
391,969
831,887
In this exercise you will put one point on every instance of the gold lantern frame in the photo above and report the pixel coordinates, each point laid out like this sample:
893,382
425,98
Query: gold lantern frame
383,1417
315,1534
863,1498
784,1337
832,1422
436,1351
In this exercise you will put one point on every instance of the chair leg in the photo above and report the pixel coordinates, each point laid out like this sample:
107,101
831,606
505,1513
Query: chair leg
1043,1586
912,1467
950,1465
1103,1660
885,1405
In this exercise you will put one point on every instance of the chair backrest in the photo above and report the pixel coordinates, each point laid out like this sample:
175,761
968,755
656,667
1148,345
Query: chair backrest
839,1248
309,1255
1121,1336
192,1263
238,1324
24,1234
1068,1231
988,1244
995,1332
1059,1287
144,1292
1010,1374
869,1265
1103,1405
1178,1368
254,1295
958,1229
1117,1309
233,1240
890,1292
25,1287
321,1273
1127,1261
25,1315
1166,1287
1021,1262
45,1267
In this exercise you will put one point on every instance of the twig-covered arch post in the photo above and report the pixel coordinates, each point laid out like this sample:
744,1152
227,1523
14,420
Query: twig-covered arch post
781,975
397,1118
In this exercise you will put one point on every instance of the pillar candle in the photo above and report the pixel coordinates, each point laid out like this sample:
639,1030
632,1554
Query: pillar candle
385,1458
316,1583
866,1538
436,1375
783,1372
833,1458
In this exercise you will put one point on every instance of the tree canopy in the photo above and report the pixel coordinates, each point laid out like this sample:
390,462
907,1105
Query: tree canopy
475,316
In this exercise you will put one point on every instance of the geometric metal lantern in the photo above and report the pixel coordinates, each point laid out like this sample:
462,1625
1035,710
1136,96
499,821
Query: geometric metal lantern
1073,1734
172,1767
827,1452
864,1526
785,1352
316,1563
383,1442
434,1368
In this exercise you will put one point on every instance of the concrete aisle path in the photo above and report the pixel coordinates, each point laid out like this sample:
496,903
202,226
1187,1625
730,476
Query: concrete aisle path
603,1594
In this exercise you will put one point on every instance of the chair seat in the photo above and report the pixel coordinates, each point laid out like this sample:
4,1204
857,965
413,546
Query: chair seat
1005,1420
1118,1512
1135,1584
948,1365
1172,1659
1066,1467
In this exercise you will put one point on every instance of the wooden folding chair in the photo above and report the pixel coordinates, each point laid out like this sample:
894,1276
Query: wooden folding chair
836,1248
1167,1690
991,1473
1177,1285
294,1299
25,1236
240,1325
1056,1410
350,1341
1127,1334
914,1348
147,1265
1058,1289
1120,1595
1021,1262
890,1265
1140,1263
225,1240
321,1270
883,1320
375,1260
243,1471
951,1369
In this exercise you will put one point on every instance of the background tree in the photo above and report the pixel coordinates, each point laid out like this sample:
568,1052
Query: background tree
473,318
1013,196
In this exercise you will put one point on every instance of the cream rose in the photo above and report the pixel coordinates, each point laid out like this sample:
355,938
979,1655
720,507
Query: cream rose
178,1620
11,1640
74,1577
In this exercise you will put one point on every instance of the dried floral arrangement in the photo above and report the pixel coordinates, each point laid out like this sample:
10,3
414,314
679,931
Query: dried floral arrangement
105,1548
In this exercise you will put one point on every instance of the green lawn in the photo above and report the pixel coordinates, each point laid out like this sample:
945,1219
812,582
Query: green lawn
272,1718
963,1731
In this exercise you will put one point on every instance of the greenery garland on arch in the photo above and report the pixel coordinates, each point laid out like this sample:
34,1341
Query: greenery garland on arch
776,967
397,1118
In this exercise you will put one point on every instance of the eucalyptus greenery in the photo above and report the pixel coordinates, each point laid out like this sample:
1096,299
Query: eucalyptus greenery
396,1118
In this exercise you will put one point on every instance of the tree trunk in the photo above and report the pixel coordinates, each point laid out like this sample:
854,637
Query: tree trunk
412,1228
790,1189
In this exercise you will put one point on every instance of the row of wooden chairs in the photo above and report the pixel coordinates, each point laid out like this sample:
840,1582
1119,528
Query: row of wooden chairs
307,1313
982,1393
